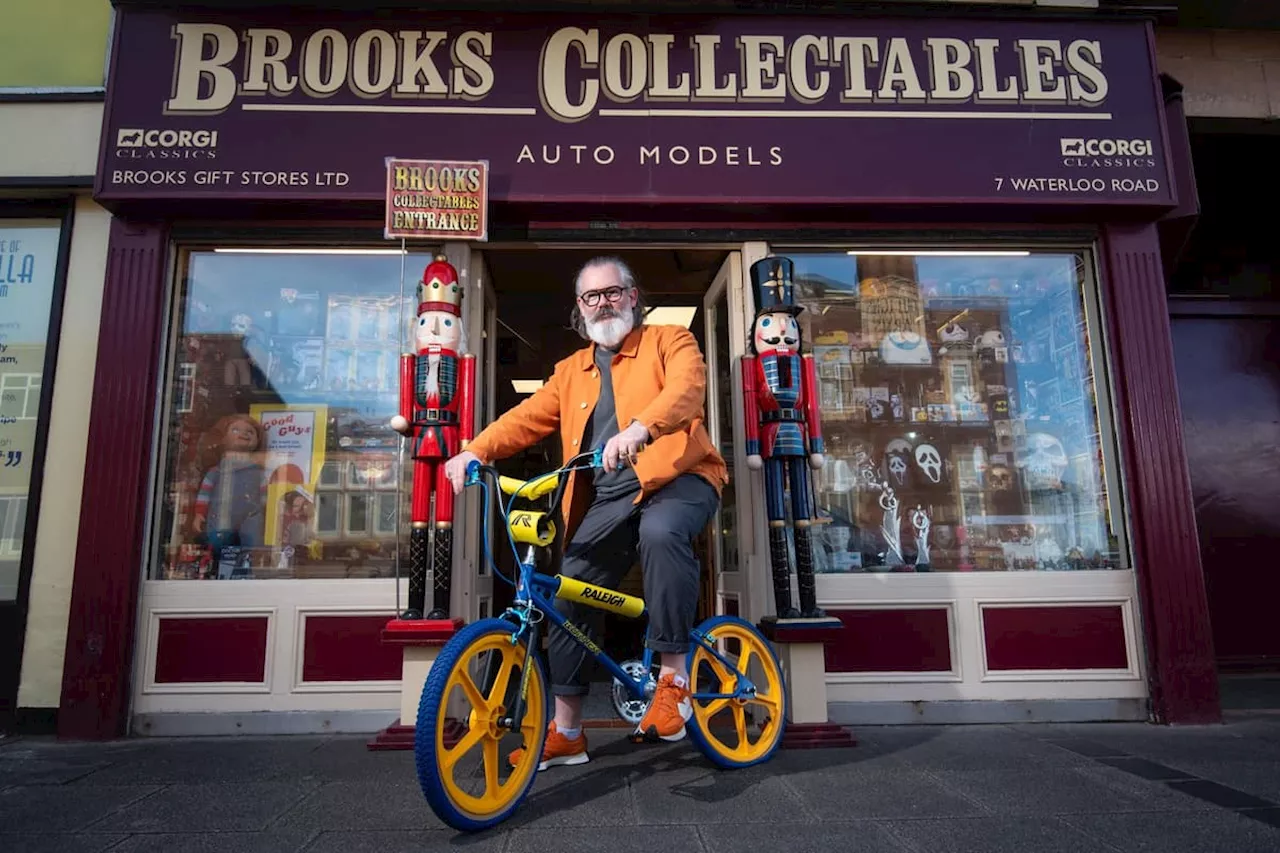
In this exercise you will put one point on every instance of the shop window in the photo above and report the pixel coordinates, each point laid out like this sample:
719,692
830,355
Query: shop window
284,372
965,412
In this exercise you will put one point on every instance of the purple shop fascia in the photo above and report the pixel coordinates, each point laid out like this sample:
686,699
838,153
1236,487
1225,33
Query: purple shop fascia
652,110
780,121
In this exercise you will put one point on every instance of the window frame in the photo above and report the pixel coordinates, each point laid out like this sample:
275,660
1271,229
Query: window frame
1097,349
182,245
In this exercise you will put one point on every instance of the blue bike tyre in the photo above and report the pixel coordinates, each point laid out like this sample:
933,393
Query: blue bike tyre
440,792
715,750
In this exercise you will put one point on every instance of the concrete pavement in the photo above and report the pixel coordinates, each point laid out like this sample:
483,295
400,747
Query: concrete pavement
1104,787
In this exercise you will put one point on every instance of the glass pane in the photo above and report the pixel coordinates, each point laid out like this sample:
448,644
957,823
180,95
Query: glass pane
958,407
28,260
728,538
285,375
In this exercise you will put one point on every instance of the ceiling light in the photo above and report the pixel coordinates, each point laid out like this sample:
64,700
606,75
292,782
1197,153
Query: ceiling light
270,251
526,386
671,315
943,253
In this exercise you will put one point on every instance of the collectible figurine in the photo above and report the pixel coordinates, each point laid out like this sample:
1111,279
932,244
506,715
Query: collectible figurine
229,508
437,393
920,523
784,434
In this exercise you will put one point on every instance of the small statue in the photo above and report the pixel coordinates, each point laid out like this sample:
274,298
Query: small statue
784,433
920,523
437,393
891,527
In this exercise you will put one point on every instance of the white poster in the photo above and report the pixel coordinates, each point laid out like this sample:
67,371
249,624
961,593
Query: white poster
28,265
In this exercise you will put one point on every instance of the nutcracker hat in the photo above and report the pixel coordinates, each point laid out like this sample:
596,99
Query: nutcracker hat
439,289
772,285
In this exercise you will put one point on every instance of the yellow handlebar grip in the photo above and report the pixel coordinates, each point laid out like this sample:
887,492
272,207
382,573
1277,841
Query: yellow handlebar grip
531,528
540,486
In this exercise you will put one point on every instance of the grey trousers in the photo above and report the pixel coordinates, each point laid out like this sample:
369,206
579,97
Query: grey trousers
662,527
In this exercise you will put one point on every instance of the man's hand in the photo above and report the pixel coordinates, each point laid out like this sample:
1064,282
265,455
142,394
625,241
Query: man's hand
456,469
400,424
624,446
816,461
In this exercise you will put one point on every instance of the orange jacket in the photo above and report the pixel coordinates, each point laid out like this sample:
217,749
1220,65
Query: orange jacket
659,379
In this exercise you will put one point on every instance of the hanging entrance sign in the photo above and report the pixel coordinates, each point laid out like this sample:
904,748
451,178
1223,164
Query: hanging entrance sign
437,199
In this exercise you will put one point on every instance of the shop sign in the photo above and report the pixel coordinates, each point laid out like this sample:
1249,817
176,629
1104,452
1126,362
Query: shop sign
28,265
436,199
637,108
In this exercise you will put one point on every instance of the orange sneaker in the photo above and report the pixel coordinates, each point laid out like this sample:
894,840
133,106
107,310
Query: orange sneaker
669,710
557,751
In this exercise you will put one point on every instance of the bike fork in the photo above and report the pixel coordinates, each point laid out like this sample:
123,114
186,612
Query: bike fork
516,718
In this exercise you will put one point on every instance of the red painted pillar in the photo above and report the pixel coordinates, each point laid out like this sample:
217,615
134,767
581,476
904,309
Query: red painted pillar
1181,670
109,552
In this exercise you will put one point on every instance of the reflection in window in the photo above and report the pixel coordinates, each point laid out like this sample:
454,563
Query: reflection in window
279,461
959,412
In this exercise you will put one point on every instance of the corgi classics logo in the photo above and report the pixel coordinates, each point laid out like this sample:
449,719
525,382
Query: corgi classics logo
134,143
1105,147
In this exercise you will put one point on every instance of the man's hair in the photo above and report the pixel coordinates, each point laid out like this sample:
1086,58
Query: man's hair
628,280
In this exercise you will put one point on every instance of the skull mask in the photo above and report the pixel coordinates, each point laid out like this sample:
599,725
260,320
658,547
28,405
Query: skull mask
240,324
930,462
1043,461
999,478
991,339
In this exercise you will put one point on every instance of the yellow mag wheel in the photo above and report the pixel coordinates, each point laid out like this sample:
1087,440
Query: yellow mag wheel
735,733
461,749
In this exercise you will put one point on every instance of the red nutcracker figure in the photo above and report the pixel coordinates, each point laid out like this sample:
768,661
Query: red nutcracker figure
437,394
784,434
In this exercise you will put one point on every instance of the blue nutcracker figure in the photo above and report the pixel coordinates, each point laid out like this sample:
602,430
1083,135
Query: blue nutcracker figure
784,433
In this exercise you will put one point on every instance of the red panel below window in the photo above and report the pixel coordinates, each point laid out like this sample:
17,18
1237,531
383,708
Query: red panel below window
349,648
195,650
904,640
1048,637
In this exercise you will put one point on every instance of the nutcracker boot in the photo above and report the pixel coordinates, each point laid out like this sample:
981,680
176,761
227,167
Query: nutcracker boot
804,571
781,571
442,571
418,553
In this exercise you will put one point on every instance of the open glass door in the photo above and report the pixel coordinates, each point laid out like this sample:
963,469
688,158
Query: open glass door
482,336
730,539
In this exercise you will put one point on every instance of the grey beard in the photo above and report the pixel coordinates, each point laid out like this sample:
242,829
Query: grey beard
610,333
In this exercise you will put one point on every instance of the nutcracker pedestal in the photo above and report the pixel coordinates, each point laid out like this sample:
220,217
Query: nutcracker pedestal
799,643
421,641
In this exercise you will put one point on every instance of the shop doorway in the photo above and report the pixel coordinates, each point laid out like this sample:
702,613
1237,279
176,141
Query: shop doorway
530,294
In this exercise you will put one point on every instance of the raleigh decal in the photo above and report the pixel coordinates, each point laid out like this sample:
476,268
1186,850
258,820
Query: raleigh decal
582,72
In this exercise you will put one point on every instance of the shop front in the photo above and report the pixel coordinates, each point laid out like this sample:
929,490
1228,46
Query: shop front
972,207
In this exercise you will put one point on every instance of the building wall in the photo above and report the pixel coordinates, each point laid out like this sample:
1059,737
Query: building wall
1226,73
58,47
54,44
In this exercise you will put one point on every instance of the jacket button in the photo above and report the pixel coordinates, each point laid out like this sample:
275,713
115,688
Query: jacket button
582,405
575,442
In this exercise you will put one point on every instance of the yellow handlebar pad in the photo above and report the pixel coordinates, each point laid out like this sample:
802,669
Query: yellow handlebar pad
531,528
601,598
529,489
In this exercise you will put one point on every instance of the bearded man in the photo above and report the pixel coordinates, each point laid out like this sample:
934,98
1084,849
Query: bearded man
633,387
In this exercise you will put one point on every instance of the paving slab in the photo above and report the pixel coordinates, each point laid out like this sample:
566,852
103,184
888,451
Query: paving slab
998,834
1174,833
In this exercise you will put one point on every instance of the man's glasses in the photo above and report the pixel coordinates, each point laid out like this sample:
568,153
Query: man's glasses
612,294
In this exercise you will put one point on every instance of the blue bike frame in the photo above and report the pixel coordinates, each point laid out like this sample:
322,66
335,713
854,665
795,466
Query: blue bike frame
537,592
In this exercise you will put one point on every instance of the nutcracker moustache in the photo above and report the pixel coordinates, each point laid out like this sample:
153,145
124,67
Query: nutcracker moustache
437,394
784,433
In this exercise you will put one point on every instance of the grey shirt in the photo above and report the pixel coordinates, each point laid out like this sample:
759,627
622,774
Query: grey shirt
604,426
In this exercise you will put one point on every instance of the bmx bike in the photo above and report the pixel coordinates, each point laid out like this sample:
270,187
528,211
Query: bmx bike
488,689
